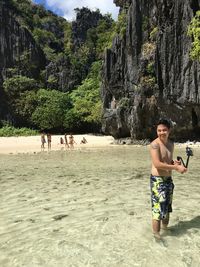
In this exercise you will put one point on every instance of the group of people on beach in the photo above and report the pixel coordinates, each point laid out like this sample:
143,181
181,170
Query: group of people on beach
68,141
43,141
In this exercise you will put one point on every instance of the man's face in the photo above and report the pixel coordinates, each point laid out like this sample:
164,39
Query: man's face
163,132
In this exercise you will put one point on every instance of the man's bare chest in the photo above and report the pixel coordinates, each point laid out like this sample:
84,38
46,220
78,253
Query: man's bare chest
165,153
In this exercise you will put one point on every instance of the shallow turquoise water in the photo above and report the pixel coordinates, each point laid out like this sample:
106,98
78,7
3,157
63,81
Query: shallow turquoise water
92,208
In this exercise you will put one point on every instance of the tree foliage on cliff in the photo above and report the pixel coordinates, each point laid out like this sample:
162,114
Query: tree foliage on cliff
194,32
86,99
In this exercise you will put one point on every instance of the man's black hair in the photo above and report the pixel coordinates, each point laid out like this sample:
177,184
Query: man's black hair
165,122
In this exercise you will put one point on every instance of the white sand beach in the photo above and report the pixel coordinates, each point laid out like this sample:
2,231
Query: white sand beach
91,207
32,144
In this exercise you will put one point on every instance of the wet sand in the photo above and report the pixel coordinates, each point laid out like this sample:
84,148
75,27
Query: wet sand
91,207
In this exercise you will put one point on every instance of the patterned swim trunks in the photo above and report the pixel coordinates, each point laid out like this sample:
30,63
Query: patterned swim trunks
161,196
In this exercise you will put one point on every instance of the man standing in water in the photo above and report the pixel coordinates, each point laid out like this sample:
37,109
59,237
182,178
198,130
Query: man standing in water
161,150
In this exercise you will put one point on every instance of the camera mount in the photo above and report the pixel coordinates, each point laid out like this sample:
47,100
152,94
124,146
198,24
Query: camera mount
189,153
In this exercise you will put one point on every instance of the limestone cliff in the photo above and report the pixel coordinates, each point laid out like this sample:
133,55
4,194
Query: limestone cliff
15,41
66,75
85,20
148,72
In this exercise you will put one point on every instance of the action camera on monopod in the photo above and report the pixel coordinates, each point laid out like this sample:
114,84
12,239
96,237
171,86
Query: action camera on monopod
189,153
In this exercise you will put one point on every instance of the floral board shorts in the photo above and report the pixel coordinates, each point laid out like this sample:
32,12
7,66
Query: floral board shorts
161,196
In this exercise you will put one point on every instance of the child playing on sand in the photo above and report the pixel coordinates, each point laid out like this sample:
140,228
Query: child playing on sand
161,150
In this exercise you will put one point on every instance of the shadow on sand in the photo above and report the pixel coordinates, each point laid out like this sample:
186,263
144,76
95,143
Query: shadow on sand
182,227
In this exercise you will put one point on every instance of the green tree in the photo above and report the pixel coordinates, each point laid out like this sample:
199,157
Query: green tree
86,98
16,89
194,32
24,107
120,25
105,32
68,37
16,85
51,109
43,37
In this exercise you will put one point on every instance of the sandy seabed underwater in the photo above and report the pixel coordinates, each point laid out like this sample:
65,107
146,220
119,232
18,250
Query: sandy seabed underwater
91,207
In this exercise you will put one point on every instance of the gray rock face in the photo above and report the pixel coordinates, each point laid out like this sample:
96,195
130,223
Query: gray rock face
16,40
148,72
62,73
66,75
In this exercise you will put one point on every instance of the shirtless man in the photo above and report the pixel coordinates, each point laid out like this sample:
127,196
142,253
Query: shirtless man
161,150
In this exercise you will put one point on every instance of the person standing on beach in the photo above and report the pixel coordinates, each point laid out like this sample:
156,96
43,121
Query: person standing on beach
43,141
49,141
66,142
71,141
161,150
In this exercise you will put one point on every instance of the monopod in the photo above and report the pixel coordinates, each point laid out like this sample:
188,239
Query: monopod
189,153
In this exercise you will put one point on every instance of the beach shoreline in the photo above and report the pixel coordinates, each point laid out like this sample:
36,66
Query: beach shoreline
32,144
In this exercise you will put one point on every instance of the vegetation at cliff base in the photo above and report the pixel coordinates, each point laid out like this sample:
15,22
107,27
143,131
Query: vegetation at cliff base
6,131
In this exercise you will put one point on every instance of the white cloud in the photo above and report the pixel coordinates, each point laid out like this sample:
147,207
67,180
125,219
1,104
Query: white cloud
67,6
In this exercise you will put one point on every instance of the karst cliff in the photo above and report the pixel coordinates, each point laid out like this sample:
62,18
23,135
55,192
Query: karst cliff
148,72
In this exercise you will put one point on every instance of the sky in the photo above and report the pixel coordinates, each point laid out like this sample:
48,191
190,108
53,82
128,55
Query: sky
65,8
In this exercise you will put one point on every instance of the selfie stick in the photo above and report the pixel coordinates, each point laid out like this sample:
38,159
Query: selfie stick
189,153
180,159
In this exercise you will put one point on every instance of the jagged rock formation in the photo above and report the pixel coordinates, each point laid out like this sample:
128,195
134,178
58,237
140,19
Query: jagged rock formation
65,75
85,20
16,40
148,72
62,73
